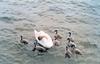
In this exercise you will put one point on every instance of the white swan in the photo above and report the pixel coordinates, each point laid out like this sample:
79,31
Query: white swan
45,41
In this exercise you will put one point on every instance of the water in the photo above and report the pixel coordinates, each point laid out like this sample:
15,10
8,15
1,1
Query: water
21,17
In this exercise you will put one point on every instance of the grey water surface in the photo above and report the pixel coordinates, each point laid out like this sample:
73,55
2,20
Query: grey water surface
21,17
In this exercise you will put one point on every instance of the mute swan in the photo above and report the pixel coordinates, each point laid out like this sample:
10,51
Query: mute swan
43,39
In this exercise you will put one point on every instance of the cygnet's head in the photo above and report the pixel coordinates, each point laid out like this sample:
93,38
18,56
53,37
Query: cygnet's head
56,31
73,46
66,47
69,34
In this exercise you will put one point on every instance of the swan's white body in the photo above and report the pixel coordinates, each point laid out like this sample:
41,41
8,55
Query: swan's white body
46,41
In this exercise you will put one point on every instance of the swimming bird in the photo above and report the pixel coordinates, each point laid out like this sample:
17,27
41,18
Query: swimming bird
23,41
70,36
67,53
57,38
43,39
71,44
70,40
76,50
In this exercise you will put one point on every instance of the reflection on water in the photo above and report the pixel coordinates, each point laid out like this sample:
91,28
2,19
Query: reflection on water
22,17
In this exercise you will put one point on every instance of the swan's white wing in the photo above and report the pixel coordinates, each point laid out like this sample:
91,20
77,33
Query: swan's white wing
46,43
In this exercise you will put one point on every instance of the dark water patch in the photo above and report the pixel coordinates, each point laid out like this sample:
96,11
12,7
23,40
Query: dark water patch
30,20
15,48
6,56
1,0
96,35
13,19
13,3
36,1
83,4
87,20
8,19
73,2
21,50
86,8
71,19
24,29
17,3
21,19
5,45
63,28
60,28
50,2
30,25
43,13
88,44
57,1
91,11
3,42
83,21
56,9
94,45
8,31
